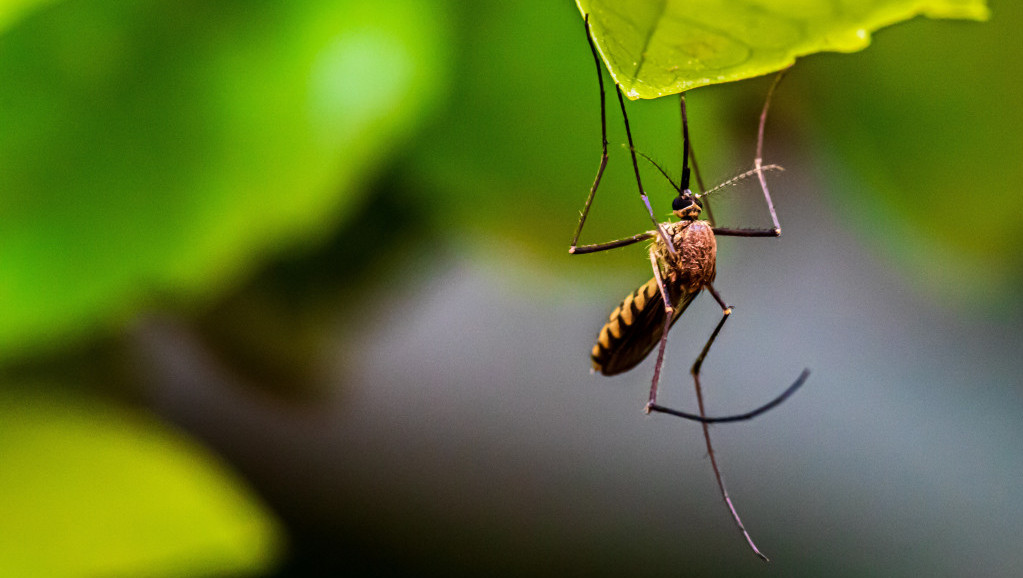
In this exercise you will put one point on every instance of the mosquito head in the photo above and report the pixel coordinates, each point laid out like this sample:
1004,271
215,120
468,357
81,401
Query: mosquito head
686,206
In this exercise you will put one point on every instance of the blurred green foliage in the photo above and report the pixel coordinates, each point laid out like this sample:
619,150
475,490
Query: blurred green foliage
157,148
158,152
661,47
91,489
923,156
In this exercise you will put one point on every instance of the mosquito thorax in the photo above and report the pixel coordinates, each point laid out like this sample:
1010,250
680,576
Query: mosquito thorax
686,206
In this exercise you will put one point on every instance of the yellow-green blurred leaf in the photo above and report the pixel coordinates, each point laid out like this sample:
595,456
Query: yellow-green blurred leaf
659,47
159,148
90,489
12,10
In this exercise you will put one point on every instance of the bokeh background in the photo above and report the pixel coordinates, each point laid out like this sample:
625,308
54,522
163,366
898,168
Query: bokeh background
285,291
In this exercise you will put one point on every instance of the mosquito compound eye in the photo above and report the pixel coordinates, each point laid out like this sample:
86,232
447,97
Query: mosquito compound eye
681,203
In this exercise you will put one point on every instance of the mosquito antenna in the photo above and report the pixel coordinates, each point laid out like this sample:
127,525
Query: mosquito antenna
757,171
663,172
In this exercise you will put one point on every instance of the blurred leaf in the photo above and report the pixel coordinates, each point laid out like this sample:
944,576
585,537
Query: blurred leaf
659,47
12,10
156,148
90,489
925,164
283,330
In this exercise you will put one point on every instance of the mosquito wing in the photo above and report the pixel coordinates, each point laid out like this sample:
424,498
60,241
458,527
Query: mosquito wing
634,328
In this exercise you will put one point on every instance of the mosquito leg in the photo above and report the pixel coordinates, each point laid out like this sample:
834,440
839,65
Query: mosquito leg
669,312
717,470
758,161
739,416
727,311
611,244
759,171
639,182
759,168
706,427
745,232
702,418
652,403
696,376
603,140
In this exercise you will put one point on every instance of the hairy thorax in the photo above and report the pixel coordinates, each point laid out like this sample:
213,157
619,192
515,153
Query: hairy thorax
693,264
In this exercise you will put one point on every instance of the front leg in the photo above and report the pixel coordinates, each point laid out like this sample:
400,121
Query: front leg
603,139
574,250
775,232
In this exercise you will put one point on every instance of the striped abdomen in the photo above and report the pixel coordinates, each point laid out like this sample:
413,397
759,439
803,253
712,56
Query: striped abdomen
635,327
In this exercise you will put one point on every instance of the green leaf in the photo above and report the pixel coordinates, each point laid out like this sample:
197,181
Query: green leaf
90,489
150,150
659,47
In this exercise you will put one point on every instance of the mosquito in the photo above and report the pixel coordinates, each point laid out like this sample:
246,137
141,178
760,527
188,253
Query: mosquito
683,257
